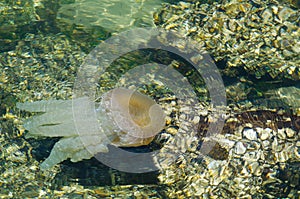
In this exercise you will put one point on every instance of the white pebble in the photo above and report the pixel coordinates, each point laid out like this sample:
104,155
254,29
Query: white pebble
196,119
250,134
240,148
265,133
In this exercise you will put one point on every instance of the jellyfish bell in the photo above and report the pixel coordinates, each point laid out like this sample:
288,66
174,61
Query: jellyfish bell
138,117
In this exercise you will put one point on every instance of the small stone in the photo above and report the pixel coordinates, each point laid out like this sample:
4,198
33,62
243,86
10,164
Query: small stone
253,166
168,120
267,16
171,130
250,134
276,146
196,119
266,144
285,13
289,132
297,152
281,134
281,156
265,133
240,148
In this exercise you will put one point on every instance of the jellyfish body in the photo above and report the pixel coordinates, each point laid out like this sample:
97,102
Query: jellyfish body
123,118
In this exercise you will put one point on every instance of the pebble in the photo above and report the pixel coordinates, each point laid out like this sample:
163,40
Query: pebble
172,130
196,120
281,156
265,144
255,168
281,134
240,148
275,146
265,133
250,134
289,132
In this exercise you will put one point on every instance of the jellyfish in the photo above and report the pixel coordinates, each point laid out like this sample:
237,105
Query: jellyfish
123,118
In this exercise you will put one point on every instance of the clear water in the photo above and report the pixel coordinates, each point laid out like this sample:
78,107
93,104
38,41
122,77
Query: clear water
45,43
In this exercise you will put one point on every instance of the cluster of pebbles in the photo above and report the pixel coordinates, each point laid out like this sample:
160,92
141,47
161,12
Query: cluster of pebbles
20,17
11,24
40,66
37,67
257,155
260,38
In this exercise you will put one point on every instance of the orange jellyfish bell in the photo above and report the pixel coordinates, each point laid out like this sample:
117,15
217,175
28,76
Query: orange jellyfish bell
138,117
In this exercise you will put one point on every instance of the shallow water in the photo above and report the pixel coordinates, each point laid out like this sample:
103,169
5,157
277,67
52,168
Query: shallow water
228,83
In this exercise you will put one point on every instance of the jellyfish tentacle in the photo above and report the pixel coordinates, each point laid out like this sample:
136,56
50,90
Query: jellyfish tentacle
44,105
